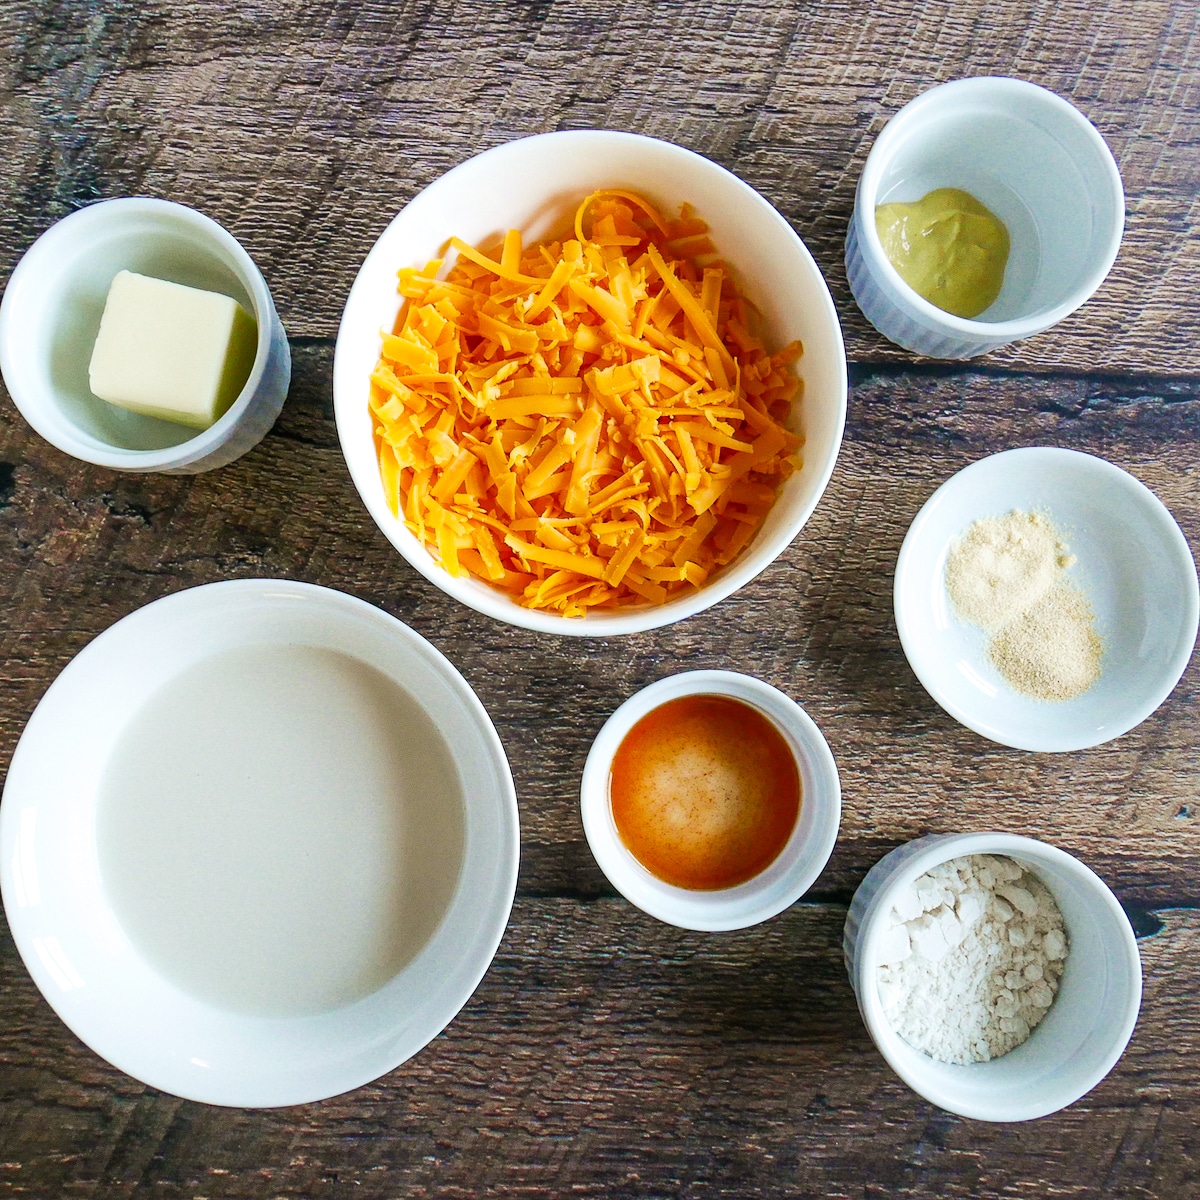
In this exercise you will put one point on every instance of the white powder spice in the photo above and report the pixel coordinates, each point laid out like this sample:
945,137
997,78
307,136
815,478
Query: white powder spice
1003,565
971,959
1052,652
1008,576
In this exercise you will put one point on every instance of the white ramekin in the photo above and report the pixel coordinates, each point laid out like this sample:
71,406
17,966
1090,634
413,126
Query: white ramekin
1087,1027
800,861
1032,158
51,312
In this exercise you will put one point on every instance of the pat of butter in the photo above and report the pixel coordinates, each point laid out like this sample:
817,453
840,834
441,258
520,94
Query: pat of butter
171,351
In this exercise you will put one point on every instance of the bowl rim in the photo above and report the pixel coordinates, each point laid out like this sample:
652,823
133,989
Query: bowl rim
1049,741
333,1070
942,322
490,601
921,855
779,885
50,422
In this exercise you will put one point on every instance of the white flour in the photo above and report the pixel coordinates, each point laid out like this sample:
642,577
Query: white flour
971,961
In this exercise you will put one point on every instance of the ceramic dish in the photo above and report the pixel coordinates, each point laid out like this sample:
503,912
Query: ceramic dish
51,313
126,979
1034,160
1134,565
800,861
1086,1029
534,184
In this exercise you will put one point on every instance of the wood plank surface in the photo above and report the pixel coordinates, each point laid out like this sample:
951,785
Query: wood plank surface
606,1054
305,126
788,1100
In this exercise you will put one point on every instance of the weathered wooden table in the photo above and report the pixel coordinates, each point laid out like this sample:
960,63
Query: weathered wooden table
605,1054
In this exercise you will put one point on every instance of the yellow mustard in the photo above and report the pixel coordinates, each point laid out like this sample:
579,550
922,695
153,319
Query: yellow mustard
948,248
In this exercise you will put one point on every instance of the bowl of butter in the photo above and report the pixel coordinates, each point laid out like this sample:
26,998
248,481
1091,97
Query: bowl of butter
987,211
139,335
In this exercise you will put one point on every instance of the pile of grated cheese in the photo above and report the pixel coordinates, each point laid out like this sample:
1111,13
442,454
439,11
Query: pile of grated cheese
585,423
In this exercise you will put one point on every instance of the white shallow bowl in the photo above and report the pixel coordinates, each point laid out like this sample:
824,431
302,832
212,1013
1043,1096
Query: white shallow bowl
70,935
1134,566
50,316
799,863
1086,1029
1032,158
534,185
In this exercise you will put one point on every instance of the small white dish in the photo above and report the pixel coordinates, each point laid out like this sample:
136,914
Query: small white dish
51,313
1035,161
799,863
1086,1029
64,899
534,184
1134,565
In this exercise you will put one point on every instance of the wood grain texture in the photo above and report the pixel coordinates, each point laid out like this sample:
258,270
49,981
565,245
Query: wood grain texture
608,1055
304,126
605,1054
86,546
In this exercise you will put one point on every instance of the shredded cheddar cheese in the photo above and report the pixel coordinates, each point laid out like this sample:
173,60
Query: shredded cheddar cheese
588,422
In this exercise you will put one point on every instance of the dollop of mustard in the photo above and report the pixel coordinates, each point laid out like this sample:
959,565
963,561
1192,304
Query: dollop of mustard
948,248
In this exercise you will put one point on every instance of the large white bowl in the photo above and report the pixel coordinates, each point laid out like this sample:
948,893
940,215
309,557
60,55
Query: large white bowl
1134,565
533,185
1086,1029
70,933
781,883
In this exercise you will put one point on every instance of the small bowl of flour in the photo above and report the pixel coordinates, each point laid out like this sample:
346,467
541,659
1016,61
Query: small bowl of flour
971,959
998,976
1046,599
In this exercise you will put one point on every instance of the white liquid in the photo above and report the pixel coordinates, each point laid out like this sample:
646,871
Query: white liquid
280,829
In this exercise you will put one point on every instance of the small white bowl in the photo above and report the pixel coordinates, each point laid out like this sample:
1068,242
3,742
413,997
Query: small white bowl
534,184
50,316
1032,158
65,915
1134,565
799,863
1086,1029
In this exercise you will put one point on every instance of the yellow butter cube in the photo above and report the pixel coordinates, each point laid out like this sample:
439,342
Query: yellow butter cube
170,351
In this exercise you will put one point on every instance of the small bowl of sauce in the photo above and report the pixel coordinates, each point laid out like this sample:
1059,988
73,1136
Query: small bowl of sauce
711,800
988,210
950,249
